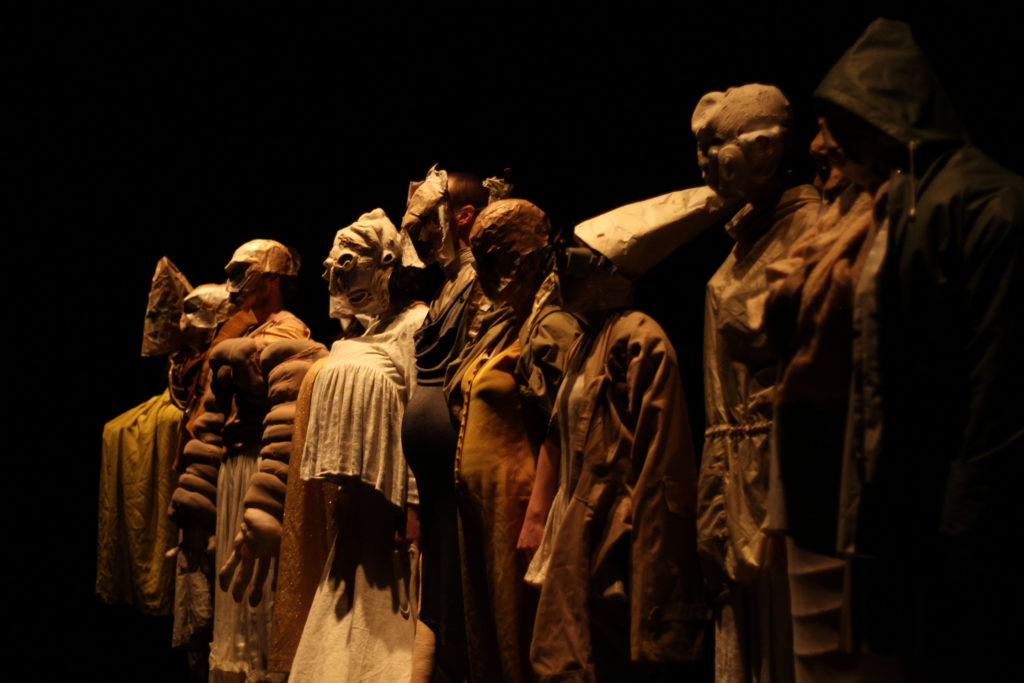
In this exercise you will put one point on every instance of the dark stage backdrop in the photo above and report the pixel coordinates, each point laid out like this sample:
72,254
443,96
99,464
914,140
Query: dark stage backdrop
157,130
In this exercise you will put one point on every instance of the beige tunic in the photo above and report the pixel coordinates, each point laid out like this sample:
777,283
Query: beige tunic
752,637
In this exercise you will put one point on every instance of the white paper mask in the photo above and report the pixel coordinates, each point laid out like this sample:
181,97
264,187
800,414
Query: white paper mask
742,137
359,265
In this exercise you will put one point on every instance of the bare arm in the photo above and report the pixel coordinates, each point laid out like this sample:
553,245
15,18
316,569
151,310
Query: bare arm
544,487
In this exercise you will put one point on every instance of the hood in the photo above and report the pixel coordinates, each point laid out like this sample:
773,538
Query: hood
886,80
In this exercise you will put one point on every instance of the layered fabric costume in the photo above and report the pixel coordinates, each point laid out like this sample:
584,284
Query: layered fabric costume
502,388
621,593
808,316
937,429
361,620
244,446
743,566
307,537
494,471
193,586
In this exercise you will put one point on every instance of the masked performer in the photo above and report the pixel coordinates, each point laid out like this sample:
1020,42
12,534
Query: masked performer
621,594
936,437
743,140
361,622
501,388
232,484
206,310
140,446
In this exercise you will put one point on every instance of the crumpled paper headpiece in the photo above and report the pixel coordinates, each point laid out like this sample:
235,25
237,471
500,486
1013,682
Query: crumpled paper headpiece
742,109
497,189
266,256
637,236
361,260
427,218
504,234
739,117
259,257
206,307
161,331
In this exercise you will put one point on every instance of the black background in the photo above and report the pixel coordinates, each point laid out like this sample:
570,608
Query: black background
162,130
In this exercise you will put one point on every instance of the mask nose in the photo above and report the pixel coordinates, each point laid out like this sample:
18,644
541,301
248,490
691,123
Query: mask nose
730,164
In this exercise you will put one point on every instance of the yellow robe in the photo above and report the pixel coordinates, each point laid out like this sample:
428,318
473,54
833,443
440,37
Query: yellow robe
136,481
494,470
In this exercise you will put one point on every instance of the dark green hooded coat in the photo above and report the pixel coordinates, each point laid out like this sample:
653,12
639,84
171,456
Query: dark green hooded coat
939,495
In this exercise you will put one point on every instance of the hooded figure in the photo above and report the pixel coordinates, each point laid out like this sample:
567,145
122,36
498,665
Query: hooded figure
936,435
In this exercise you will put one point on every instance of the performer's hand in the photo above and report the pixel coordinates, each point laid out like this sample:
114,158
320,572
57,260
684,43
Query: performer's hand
195,542
410,535
530,537
257,542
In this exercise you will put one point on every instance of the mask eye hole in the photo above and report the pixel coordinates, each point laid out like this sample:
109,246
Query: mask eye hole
387,259
346,262
236,270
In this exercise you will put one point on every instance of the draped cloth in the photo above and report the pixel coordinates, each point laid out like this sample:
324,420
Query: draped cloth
307,530
810,316
361,620
242,656
136,482
356,409
494,471
429,441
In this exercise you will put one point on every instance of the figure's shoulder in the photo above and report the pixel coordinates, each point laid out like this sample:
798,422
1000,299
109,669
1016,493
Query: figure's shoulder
408,320
973,176
978,198
635,334
631,346
801,194
799,198
554,323
634,325
282,325
797,211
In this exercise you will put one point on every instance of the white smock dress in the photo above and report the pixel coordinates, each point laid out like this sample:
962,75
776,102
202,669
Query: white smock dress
362,620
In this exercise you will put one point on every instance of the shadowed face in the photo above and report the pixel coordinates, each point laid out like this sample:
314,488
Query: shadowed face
857,149
509,240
